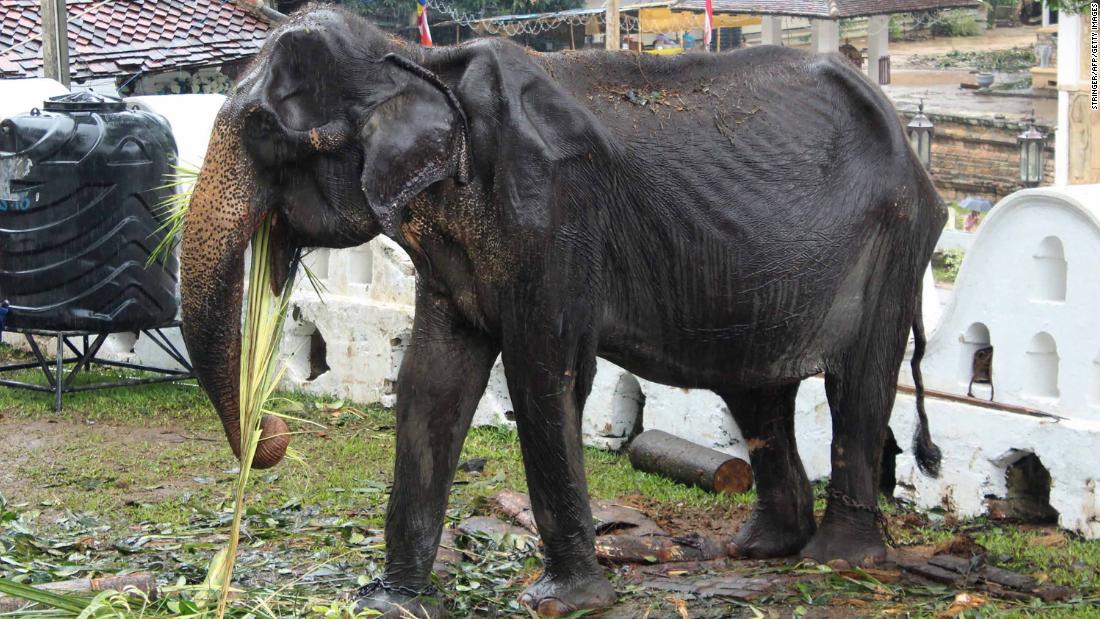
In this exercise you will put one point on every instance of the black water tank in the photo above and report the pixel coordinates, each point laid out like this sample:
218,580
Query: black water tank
80,183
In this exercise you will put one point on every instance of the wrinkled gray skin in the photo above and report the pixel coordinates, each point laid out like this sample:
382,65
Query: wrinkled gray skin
759,220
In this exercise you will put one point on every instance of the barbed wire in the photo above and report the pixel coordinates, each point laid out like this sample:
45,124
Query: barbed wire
539,24
527,25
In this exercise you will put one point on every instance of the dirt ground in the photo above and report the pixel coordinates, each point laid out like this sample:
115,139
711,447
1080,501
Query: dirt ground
139,481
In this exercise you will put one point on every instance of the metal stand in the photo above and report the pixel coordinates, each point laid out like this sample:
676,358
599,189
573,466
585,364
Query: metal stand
60,383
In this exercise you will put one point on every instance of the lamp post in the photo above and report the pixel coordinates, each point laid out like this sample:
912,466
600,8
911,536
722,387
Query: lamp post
1031,143
920,131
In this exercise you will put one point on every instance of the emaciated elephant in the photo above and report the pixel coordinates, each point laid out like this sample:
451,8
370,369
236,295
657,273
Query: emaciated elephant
734,222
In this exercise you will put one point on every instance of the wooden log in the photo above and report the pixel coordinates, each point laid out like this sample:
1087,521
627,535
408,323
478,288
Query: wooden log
654,549
661,453
142,581
516,506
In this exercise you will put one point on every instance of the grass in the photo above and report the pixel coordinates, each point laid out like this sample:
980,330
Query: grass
141,479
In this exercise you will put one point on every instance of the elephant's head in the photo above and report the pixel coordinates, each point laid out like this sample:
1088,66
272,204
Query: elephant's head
334,128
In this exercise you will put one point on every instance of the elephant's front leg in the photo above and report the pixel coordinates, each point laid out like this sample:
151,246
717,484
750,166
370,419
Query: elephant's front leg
549,375
442,378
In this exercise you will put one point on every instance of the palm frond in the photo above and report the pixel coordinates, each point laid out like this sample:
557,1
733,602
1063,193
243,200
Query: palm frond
260,373
172,210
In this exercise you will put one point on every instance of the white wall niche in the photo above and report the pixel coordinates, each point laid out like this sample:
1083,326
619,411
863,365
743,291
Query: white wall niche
1041,367
1048,271
975,338
317,261
305,351
360,269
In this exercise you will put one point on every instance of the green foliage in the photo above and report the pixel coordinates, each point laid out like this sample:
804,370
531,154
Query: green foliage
895,25
956,23
1013,60
172,210
1070,6
946,265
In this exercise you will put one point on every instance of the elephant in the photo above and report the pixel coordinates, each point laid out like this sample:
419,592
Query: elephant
735,222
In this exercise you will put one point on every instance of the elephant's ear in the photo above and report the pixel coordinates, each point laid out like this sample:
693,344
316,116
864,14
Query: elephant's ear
412,140
527,129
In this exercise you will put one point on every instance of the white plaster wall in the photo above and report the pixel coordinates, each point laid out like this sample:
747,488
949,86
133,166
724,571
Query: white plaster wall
191,118
20,96
999,286
980,444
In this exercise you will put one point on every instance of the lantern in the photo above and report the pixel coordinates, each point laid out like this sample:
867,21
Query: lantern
1031,143
920,131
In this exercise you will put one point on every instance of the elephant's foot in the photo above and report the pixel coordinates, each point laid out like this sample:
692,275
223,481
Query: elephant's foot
398,602
560,596
769,534
851,537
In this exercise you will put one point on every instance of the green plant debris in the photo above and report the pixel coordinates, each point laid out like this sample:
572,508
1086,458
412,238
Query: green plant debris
142,480
1012,60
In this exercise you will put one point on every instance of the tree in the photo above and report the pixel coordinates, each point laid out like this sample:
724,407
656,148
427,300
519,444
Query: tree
1069,6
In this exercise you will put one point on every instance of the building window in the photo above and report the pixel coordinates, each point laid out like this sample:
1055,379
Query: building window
1049,271
1041,367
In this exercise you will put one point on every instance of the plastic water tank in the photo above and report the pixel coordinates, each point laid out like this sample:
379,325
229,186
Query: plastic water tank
80,184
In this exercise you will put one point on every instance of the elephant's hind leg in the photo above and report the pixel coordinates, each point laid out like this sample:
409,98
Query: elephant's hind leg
783,519
860,385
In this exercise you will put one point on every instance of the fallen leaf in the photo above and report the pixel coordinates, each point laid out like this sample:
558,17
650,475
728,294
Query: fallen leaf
963,602
1055,539
681,607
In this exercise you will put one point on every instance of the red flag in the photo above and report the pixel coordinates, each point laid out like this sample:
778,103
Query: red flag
708,25
422,22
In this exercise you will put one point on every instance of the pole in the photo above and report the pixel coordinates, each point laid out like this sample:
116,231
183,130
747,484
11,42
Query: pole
55,41
612,37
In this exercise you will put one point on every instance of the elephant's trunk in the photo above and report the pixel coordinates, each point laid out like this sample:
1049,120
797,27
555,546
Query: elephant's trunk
224,213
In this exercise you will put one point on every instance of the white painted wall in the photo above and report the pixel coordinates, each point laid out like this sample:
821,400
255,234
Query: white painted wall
1030,273
19,96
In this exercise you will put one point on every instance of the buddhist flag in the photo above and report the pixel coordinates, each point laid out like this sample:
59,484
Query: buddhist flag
422,22
708,24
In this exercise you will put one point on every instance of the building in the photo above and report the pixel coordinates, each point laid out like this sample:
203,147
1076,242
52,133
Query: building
168,46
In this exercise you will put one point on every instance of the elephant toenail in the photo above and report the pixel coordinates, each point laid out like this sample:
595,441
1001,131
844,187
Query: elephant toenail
839,565
553,607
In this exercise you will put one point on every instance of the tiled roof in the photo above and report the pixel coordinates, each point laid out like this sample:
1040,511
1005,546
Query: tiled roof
122,37
826,9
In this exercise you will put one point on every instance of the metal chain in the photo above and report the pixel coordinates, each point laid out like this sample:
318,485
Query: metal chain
388,587
880,517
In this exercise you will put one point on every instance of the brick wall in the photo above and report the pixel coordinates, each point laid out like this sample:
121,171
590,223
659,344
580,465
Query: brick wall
979,157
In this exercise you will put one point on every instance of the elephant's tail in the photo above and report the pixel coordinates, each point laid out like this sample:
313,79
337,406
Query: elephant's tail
927,453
